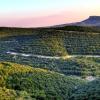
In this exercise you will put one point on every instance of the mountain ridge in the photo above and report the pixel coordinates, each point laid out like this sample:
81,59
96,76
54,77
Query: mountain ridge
90,21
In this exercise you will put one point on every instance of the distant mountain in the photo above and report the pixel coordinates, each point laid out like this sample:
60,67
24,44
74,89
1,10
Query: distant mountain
91,21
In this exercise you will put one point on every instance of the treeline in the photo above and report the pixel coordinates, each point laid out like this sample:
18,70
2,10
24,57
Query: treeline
12,31
79,28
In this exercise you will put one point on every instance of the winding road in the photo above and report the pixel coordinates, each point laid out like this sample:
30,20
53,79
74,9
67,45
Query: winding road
50,57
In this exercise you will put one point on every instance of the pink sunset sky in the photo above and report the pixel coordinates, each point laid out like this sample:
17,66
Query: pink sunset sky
39,13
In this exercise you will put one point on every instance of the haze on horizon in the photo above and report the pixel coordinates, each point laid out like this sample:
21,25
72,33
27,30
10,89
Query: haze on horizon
39,13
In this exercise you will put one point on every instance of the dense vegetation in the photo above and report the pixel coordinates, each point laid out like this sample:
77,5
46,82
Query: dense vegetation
90,91
8,31
80,28
54,43
49,79
10,94
80,66
35,83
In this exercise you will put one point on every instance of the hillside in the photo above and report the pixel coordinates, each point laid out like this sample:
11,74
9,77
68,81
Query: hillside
54,43
49,63
57,42
24,82
79,66
90,91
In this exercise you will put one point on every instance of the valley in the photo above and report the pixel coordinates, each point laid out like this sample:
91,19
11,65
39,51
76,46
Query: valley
56,62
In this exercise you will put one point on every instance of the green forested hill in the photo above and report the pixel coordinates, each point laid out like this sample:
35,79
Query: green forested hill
51,42
54,42
90,91
18,81
80,66
49,79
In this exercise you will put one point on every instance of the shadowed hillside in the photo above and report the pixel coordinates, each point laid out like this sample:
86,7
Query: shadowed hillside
90,91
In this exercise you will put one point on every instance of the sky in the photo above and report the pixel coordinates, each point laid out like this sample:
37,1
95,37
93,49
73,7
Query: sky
40,13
